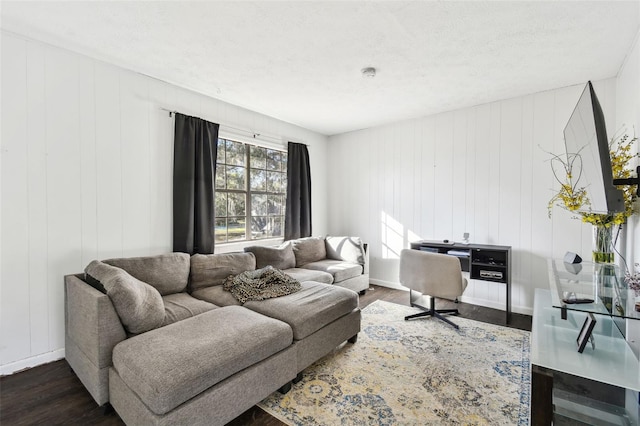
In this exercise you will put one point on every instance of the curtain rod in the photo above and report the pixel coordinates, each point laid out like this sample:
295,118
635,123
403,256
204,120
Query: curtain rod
252,133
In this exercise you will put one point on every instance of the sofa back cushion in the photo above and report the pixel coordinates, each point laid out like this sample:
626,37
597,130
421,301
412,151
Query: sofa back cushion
138,304
348,249
281,257
212,269
307,250
168,273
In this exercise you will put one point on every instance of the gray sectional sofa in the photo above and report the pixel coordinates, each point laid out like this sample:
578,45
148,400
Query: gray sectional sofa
163,342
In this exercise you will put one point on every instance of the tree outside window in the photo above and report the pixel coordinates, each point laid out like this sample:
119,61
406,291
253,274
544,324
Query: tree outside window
251,185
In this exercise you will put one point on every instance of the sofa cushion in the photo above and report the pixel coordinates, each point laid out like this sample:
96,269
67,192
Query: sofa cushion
168,273
216,295
168,366
308,249
279,257
340,270
138,304
212,269
302,274
349,249
181,306
309,309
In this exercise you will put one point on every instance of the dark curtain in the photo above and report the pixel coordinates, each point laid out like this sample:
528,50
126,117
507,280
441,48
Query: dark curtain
195,148
297,221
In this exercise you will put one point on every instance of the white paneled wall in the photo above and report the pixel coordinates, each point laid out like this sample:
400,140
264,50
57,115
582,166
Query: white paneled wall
482,170
86,170
628,115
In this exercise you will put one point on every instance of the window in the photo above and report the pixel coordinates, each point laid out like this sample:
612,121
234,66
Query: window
251,186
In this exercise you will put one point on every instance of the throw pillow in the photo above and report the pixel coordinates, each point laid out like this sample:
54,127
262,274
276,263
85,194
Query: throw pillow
348,249
279,257
138,304
307,250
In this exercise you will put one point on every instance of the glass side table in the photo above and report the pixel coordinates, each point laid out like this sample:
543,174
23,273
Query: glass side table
610,368
595,288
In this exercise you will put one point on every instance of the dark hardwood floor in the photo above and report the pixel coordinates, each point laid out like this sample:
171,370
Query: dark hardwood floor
51,394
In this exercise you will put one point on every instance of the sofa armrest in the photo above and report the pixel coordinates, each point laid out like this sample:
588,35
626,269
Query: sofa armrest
91,321
348,249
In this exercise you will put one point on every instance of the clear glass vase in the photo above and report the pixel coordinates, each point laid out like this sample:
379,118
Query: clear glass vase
602,244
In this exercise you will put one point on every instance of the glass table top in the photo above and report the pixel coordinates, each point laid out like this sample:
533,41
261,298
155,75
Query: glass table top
591,287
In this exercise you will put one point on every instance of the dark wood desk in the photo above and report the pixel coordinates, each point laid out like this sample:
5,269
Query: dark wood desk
483,262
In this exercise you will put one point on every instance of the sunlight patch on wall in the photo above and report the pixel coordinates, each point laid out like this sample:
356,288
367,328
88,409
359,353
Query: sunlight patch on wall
394,236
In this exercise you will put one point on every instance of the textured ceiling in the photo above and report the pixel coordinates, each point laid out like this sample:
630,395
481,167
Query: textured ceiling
300,61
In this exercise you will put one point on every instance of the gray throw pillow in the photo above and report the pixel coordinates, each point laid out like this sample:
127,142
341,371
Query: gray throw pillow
349,249
138,304
307,250
281,257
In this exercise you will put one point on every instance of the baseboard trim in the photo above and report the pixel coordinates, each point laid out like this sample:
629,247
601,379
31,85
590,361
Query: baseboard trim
34,361
388,284
497,305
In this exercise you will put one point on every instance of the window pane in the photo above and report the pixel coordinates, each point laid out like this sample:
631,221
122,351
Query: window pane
235,182
236,228
258,180
221,204
258,227
258,205
235,153
275,205
258,157
275,227
283,204
221,151
236,204
274,182
220,177
274,160
221,230
236,177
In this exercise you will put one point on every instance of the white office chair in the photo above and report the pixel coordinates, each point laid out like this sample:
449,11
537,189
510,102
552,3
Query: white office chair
432,274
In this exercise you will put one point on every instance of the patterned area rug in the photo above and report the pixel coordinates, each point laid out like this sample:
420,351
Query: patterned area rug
419,372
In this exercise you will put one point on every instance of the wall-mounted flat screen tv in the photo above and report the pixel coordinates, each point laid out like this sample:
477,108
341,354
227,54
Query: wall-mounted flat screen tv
586,136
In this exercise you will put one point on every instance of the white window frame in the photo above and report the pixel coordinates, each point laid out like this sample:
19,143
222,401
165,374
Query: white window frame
248,142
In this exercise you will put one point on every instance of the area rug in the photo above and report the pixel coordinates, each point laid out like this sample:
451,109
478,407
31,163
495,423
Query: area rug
420,372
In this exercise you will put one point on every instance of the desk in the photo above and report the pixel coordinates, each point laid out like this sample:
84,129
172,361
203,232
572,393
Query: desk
482,261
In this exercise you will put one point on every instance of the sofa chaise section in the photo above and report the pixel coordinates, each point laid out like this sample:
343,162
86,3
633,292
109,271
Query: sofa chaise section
153,374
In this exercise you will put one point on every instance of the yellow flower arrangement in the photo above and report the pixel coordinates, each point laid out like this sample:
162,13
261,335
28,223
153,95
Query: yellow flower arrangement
573,197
